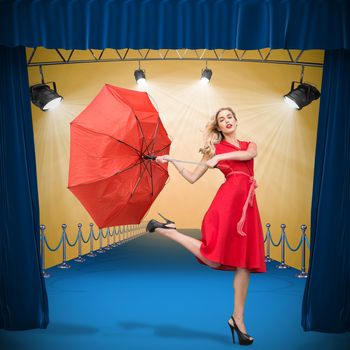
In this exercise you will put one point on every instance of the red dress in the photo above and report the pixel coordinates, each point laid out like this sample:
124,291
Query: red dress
232,233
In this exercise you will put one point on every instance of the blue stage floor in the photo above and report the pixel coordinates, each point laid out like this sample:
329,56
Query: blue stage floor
150,293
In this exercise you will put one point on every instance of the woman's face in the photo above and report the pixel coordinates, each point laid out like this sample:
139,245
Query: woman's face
226,122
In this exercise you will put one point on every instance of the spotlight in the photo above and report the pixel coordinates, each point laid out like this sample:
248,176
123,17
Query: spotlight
303,95
44,97
140,76
206,75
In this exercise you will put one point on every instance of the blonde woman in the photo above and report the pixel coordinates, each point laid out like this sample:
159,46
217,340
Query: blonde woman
232,236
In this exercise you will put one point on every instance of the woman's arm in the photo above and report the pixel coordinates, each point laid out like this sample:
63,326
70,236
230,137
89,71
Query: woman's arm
250,153
190,176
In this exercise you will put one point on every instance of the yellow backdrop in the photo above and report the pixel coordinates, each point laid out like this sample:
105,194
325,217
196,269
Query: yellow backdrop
285,138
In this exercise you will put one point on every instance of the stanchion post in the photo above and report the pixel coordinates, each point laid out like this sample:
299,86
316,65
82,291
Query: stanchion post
79,259
64,264
282,265
118,242
125,233
108,246
121,235
302,273
268,240
91,238
114,234
42,255
100,250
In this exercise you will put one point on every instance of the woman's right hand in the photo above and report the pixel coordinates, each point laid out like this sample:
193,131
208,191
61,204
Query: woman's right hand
163,159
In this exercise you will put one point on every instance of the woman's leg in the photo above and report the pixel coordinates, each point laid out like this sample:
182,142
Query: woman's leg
190,243
240,286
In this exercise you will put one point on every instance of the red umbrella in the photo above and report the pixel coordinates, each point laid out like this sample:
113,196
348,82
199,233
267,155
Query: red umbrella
113,144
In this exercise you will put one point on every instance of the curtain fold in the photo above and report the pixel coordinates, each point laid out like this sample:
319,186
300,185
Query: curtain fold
23,298
326,302
175,24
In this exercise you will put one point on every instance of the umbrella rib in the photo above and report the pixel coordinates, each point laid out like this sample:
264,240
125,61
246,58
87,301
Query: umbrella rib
159,150
153,141
101,133
139,180
130,167
131,194
143,135
161,167
135,149
89,183
150,173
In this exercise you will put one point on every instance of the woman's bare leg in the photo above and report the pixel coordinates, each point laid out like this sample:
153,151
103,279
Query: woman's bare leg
190,243
240,286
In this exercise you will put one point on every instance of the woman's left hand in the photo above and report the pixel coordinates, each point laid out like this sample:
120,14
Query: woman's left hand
211,163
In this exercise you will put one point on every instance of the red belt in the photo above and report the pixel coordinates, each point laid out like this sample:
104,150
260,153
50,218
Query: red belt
249,200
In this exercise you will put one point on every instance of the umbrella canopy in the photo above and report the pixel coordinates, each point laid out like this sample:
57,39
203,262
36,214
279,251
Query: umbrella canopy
113,143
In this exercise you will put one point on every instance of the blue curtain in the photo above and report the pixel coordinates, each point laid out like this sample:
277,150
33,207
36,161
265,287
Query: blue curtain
23,298
173,24
326,303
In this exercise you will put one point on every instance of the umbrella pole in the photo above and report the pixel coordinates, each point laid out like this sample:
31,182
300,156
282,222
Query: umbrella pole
150,157
188,162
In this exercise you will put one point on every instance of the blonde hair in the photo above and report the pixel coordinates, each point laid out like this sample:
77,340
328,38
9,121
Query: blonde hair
212,135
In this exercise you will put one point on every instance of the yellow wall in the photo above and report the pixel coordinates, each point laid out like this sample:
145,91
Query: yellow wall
285,138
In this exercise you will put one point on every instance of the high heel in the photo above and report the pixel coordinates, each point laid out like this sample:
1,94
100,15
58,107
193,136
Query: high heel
232,331
167,220
153,224
243,338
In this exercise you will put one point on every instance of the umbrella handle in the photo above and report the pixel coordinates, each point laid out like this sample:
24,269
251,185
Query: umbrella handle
148,156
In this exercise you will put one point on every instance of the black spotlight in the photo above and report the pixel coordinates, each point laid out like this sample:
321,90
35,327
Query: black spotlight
303,95
140,76
206,75
44,97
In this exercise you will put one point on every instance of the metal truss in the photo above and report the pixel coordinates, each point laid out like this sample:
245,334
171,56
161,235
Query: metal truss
128,55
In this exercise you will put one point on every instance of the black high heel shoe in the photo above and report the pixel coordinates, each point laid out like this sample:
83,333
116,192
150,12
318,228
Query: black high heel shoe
153,224
243,338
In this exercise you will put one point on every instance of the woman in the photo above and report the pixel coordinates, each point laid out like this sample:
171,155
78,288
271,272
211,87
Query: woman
232,236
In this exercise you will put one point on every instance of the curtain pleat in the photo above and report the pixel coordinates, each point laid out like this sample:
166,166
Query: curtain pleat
326,302
174,24
23,298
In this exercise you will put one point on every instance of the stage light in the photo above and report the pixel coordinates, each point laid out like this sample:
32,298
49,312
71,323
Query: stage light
140,76
206,75
303,95
44,97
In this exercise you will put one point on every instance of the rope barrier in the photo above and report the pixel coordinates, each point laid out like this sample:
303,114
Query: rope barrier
298,246
129,232
85,241
75,242
103,236
93,235
275,244
51,249
307,242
